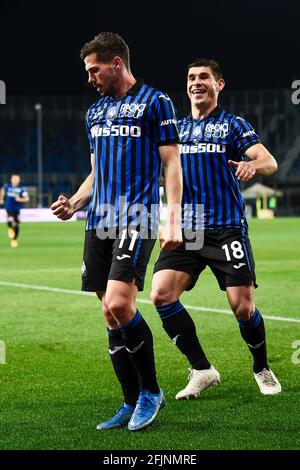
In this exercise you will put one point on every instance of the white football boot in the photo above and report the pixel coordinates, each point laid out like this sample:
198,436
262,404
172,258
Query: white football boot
199,380
267,382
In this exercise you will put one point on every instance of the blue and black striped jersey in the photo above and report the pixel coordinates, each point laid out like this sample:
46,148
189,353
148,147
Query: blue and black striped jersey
206,147
124,136
11,193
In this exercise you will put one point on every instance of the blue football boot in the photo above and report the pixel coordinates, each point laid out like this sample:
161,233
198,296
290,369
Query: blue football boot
147,407
120,419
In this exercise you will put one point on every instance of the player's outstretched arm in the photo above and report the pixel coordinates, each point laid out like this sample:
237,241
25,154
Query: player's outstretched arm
171,235
262,163
65,208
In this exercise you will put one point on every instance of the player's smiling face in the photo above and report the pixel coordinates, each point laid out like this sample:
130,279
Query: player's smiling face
101,75
202,87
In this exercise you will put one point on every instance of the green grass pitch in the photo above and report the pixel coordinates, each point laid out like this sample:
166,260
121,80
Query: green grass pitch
57,382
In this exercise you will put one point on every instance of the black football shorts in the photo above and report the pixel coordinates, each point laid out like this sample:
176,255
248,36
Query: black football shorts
121,259
227,252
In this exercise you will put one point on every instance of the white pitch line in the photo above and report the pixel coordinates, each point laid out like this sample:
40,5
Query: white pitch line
39,270
45,288
142,301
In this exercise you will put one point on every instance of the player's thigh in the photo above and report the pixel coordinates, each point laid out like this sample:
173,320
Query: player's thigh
182,268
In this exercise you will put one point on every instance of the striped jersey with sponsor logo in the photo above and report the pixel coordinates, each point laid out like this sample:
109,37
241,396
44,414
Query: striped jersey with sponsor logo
124,136
211,191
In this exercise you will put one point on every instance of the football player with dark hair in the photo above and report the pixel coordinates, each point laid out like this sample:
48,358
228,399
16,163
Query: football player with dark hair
214,147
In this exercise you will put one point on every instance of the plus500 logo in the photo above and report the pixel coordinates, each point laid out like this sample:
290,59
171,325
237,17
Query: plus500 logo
115,131
201,148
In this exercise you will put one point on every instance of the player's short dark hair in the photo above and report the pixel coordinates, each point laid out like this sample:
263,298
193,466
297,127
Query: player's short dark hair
107,45
212,64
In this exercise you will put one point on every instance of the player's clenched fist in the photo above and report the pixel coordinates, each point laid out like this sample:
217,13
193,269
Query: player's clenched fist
62,208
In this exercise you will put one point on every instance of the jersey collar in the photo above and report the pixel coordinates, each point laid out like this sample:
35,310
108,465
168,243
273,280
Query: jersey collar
135,88
214,113
132,91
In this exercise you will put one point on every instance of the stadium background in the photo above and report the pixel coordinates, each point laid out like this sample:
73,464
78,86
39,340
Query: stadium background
256,46
66,154
51,392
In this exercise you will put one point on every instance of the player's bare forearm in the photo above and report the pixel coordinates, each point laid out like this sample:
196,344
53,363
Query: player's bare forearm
173,182
173,185
171,235
172,174
65,208
264,163
266,166
81,197
261,163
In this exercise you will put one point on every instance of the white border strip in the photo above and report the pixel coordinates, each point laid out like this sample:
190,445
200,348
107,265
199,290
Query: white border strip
142,301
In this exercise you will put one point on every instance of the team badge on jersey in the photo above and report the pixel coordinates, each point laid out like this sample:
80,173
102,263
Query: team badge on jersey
111,112
197,132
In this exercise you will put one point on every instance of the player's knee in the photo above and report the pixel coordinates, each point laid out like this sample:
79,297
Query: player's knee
243,311
118,306
111,322
161,296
